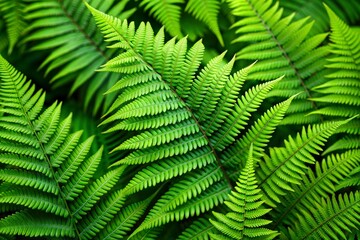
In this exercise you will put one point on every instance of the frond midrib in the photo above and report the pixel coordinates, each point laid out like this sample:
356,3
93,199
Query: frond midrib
285,55
310,187
140,57
288,158
258,132
83,32
47,159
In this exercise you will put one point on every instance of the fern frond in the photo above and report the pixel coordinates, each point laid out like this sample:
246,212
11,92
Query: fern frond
286,165
211,197
77,50
258,136
199,229
352,180
35,200
316,184
348,10
348,142
167,12
206,11
243,220
48,171
341,93
237,119
331,219
125,219
275,41
36,224
187,145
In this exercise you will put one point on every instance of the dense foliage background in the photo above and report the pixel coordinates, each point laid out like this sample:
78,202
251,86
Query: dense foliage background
296,140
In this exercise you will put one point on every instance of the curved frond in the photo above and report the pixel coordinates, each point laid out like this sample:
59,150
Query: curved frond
36,224
167,12
353,180
125,220
315,185
258,136
189,144
330,219
206,11
286,165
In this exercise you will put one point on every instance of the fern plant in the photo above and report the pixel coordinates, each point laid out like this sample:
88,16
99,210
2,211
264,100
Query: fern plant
53,24
175,148
177,141
275,40
47,184
347,10
187,147
169,14
340,95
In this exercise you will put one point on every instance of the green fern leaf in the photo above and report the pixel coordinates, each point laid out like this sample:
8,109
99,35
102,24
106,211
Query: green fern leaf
34,200
47,172
199,229
181,153
96,220
329,220
258,135
210,198
126,219
341,92
243,220
349,142
36,224
206,11
275,41
286,165
167,12
315,185
352,180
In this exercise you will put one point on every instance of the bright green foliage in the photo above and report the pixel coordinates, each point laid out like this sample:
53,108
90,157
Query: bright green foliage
206,11
169,14
258,136
286,165
348,10
184,133
78,49
329,219
243,220
199,229
341,93
48,172
315,185
275,41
